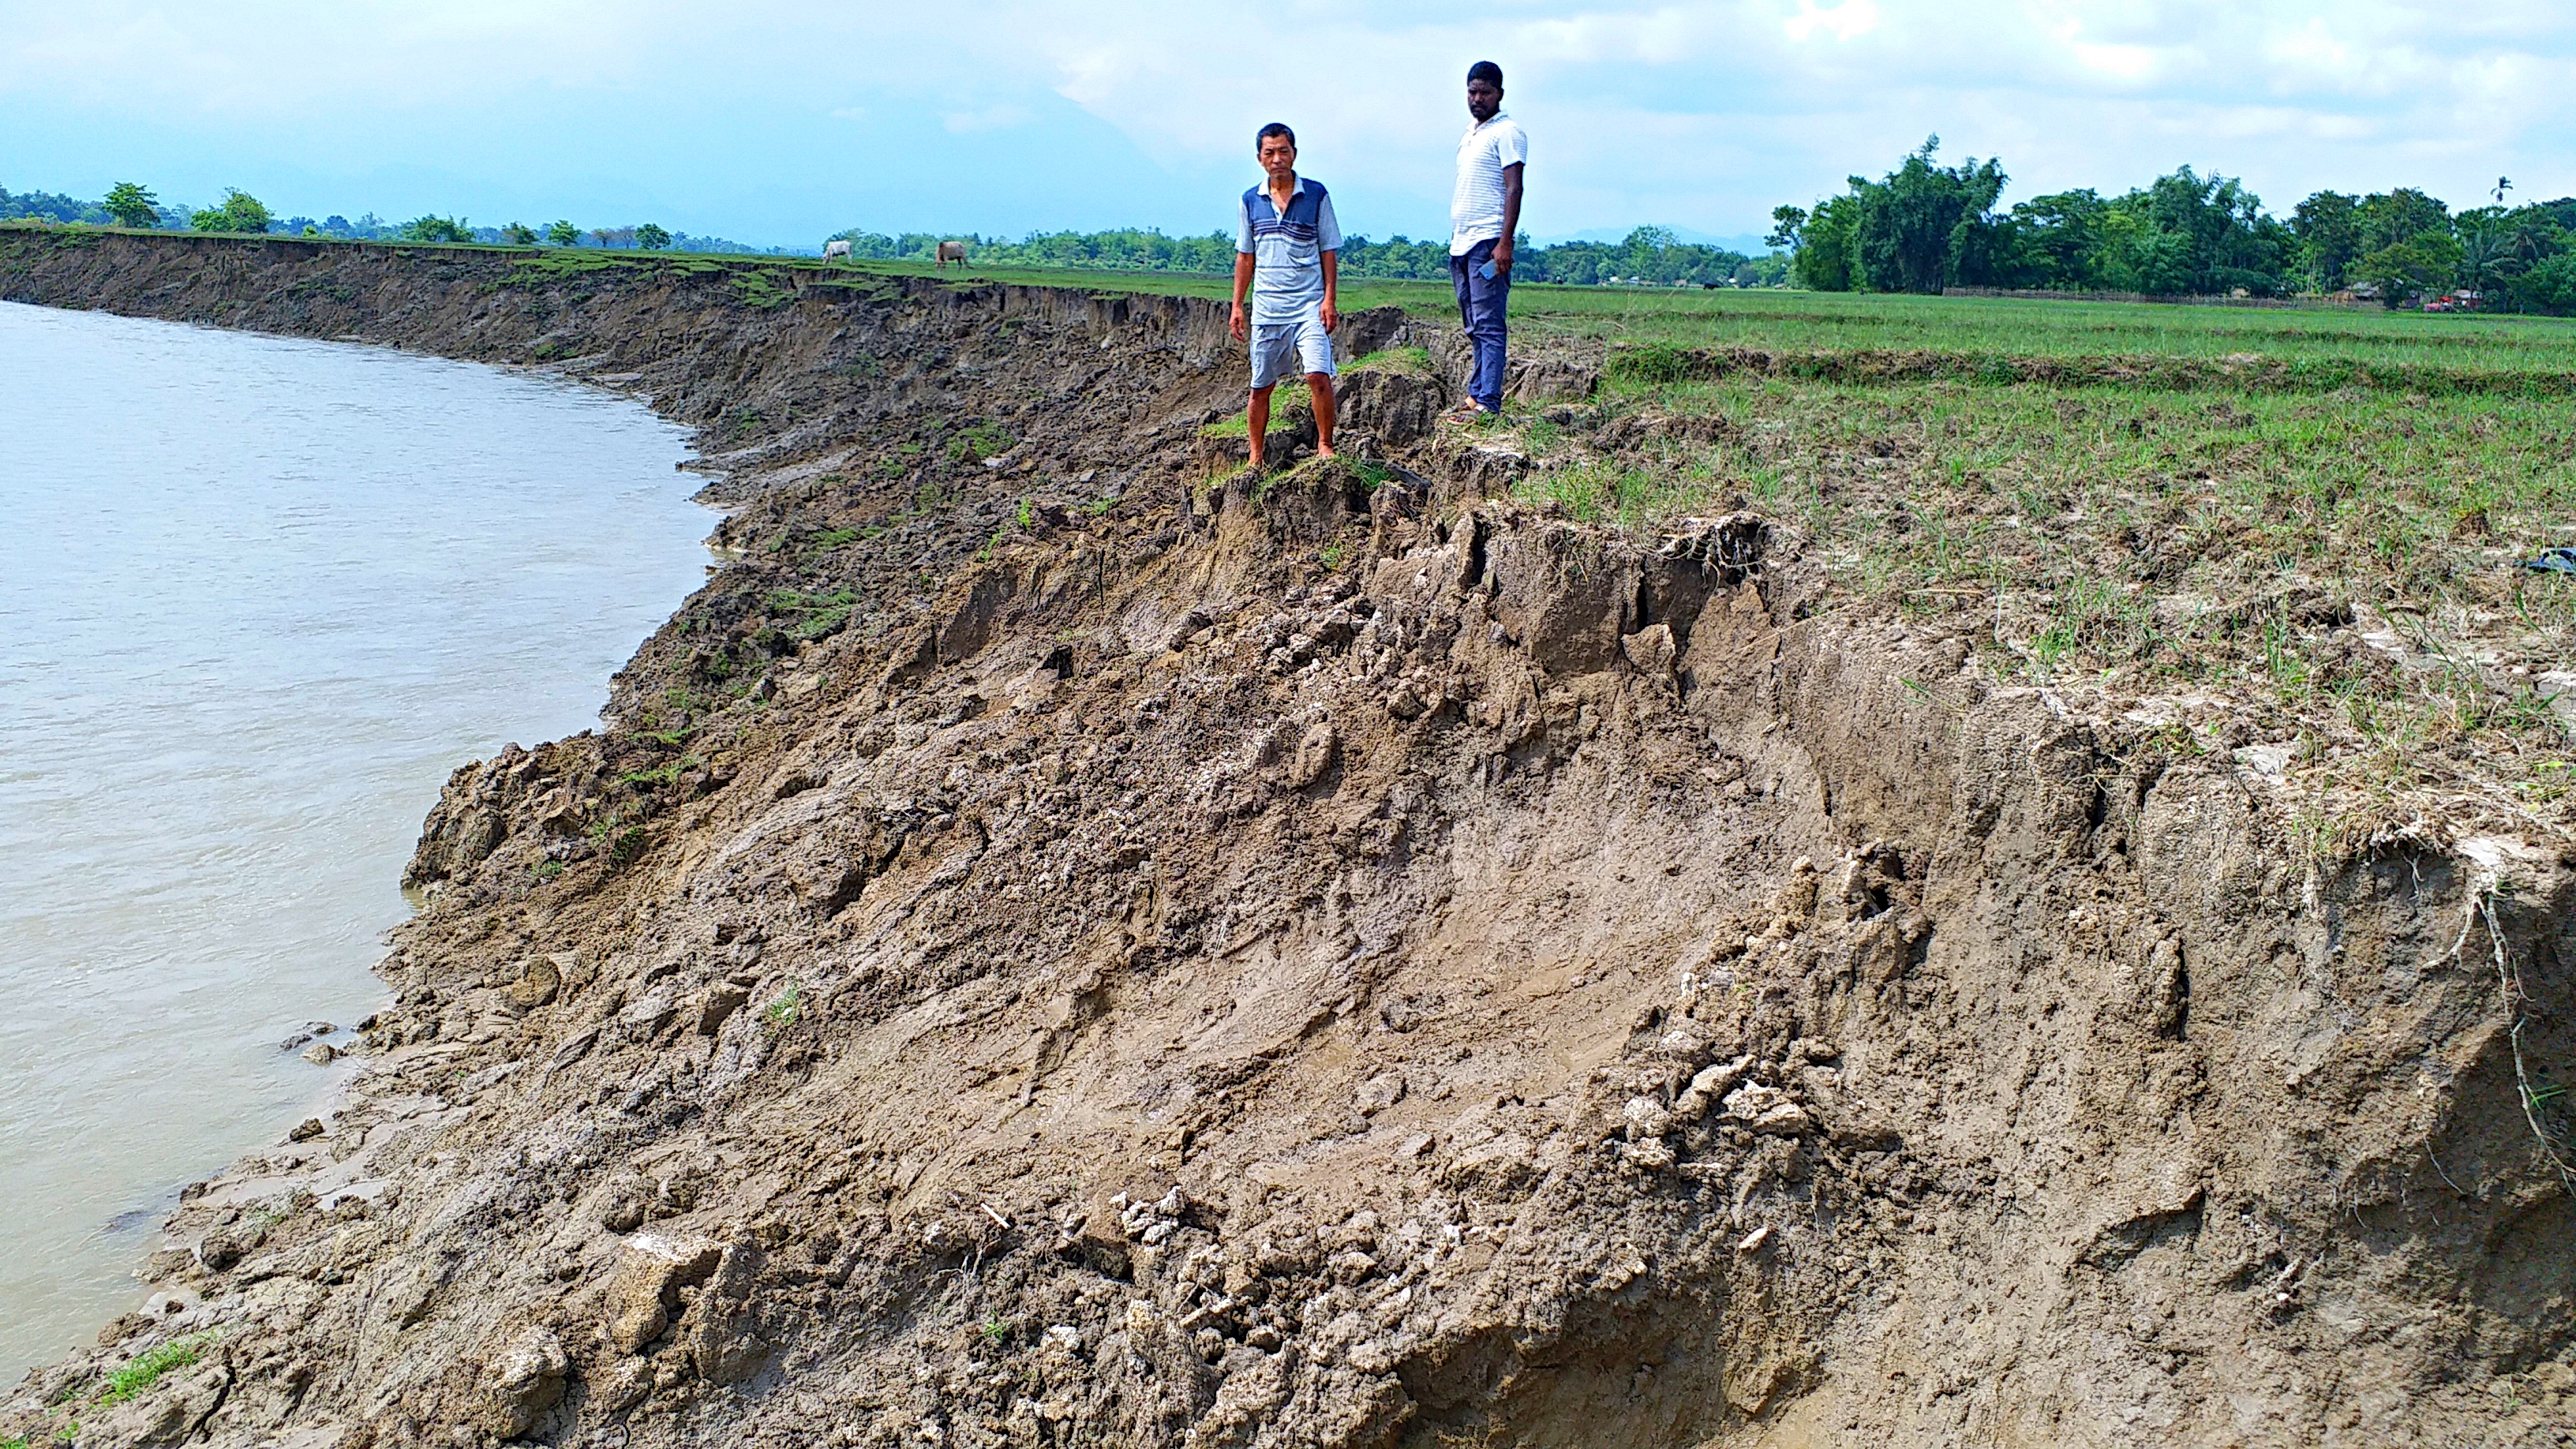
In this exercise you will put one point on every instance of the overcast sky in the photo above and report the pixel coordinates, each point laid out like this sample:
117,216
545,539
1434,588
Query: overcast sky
778,123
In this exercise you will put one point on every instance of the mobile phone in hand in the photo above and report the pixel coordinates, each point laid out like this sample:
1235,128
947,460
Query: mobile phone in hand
1487,270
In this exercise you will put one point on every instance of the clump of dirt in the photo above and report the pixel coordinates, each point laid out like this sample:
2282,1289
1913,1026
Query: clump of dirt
1055,948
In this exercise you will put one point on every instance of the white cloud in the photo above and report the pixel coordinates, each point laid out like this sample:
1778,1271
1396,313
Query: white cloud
1848,19
1699,114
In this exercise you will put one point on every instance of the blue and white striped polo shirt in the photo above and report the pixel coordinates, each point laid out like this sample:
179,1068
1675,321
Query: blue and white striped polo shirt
1287,250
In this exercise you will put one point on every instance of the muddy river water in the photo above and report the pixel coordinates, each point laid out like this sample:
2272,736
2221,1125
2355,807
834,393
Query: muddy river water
257,598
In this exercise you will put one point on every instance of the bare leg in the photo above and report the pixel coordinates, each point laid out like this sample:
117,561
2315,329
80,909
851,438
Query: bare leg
1319,391
1259,421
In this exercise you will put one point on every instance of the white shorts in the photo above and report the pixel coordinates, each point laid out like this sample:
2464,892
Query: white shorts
1281,350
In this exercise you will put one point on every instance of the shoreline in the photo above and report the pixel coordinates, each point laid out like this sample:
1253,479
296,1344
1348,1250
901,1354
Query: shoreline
1059,942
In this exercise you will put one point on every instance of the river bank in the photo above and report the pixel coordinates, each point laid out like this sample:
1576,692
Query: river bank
1051,951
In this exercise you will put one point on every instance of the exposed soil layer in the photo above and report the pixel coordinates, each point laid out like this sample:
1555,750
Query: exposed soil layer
1048,952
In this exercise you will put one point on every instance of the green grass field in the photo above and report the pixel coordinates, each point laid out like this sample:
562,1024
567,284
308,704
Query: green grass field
1823,321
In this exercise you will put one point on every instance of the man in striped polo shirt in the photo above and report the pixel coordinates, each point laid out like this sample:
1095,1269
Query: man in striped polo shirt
1484,217
1286,246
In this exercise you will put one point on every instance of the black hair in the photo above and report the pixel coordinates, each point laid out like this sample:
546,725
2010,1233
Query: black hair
1275,128
1486,70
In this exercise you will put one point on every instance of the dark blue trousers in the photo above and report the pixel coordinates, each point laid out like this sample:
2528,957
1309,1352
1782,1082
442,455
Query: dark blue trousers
1481,302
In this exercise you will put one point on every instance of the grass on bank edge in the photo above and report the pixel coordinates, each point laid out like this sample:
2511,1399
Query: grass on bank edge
2331,574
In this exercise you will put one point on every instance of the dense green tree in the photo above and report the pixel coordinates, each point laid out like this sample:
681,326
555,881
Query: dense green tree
2421,266
563,234
132,205
1909,222
2548,287
2058,240
518,235
241,212
438,229
2493,244
2328,226
651,238
2222,241
1827,257
2394,218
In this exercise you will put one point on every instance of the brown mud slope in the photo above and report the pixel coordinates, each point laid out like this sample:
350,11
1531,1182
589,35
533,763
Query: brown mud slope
1040,957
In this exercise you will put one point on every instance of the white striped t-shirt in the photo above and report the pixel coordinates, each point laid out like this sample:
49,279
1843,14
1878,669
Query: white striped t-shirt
1476,207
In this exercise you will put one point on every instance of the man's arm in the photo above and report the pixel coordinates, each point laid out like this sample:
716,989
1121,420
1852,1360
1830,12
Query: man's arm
1511,219
1332,290
1243,285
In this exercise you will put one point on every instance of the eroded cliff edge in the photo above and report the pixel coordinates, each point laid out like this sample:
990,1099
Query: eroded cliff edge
1046,955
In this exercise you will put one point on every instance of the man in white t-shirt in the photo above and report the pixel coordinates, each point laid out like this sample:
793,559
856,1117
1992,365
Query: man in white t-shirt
1484,217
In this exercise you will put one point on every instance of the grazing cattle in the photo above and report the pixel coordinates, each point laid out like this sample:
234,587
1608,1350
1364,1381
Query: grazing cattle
835,251
951,251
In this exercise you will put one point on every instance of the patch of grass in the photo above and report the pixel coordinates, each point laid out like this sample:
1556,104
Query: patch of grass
813,616
148,1367
763,290
661,776
1291,393
785,1012
975,444
1415,361
546,870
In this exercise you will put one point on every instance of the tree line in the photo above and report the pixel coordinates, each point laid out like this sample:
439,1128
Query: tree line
129,204
1925,226
1648,256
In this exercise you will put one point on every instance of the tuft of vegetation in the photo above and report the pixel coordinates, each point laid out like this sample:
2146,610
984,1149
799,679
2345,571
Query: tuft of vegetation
148,1367
785,1012
438,229
240,212
1413,361
760,289
975,444
1289,394
813,616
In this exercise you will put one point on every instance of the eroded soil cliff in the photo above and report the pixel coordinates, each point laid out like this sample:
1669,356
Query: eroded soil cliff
1049,951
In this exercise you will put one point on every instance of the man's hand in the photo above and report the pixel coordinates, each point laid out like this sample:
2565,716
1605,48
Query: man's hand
1238,323
1503,257
1332,315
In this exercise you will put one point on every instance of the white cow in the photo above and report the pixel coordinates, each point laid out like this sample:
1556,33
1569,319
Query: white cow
835,251
952,251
